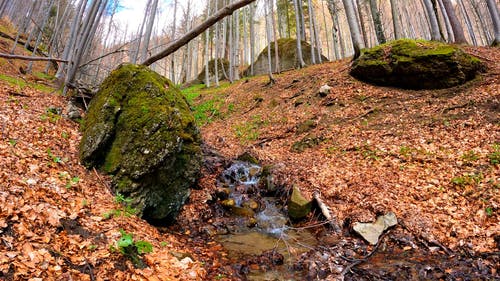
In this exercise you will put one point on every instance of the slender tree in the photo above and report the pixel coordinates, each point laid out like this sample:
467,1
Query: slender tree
468,22
311,31
149,28
357,43
40,33
268,36
172,37
493,9
458,31
298,34
433,22
252,37
207,59
75,25
396,23
379,31
275,36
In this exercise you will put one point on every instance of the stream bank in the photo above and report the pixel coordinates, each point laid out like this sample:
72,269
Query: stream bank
232,247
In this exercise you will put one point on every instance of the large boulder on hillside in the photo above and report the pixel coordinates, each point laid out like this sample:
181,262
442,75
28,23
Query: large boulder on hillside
416,64
139,129
222,67
287,49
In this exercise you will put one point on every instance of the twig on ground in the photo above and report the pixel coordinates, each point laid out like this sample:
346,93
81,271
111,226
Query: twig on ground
325,210
100,179
355,262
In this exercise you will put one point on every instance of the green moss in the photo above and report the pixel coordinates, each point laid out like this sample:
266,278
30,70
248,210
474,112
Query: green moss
298,206
306,126
287,50
221,63
207,103
309,141
21,84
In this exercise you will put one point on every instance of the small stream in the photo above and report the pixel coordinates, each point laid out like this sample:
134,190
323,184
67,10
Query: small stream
261,225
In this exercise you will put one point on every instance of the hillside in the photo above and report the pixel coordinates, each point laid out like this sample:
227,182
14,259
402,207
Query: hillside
431,157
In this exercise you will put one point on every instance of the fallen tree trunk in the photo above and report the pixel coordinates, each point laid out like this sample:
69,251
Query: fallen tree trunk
30,58
29,48
174,46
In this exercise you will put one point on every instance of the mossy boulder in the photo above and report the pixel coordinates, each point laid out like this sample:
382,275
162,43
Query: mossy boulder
140,129
222,66
416,64
287,49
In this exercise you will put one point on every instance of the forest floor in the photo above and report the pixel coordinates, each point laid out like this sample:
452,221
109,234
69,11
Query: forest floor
431,157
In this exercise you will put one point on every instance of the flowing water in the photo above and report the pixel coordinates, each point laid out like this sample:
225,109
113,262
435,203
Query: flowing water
264,227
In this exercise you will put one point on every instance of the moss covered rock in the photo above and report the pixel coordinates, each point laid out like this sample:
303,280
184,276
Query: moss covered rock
222,66
298,206
287,49
416,64
140,129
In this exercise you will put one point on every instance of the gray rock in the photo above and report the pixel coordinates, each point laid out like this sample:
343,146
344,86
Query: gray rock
72,111
140,130
288,58
298,206
416,64
324,90
372,231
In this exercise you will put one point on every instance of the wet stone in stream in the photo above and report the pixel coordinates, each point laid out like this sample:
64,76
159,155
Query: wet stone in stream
259,231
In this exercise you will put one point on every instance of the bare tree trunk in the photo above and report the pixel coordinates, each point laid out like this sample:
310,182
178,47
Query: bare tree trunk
75,26
311,32
357,44
433,22
217,49
335,27
149,28
85,36
277,68
135,55
302,24
25,24
207,59
398,32
245,36
236,46
326,31
40,34
486,36
252,38
231,46
361,21
493,9
468,23
316,35
458,31
172,58
57,33
379,31
298,34
268,36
